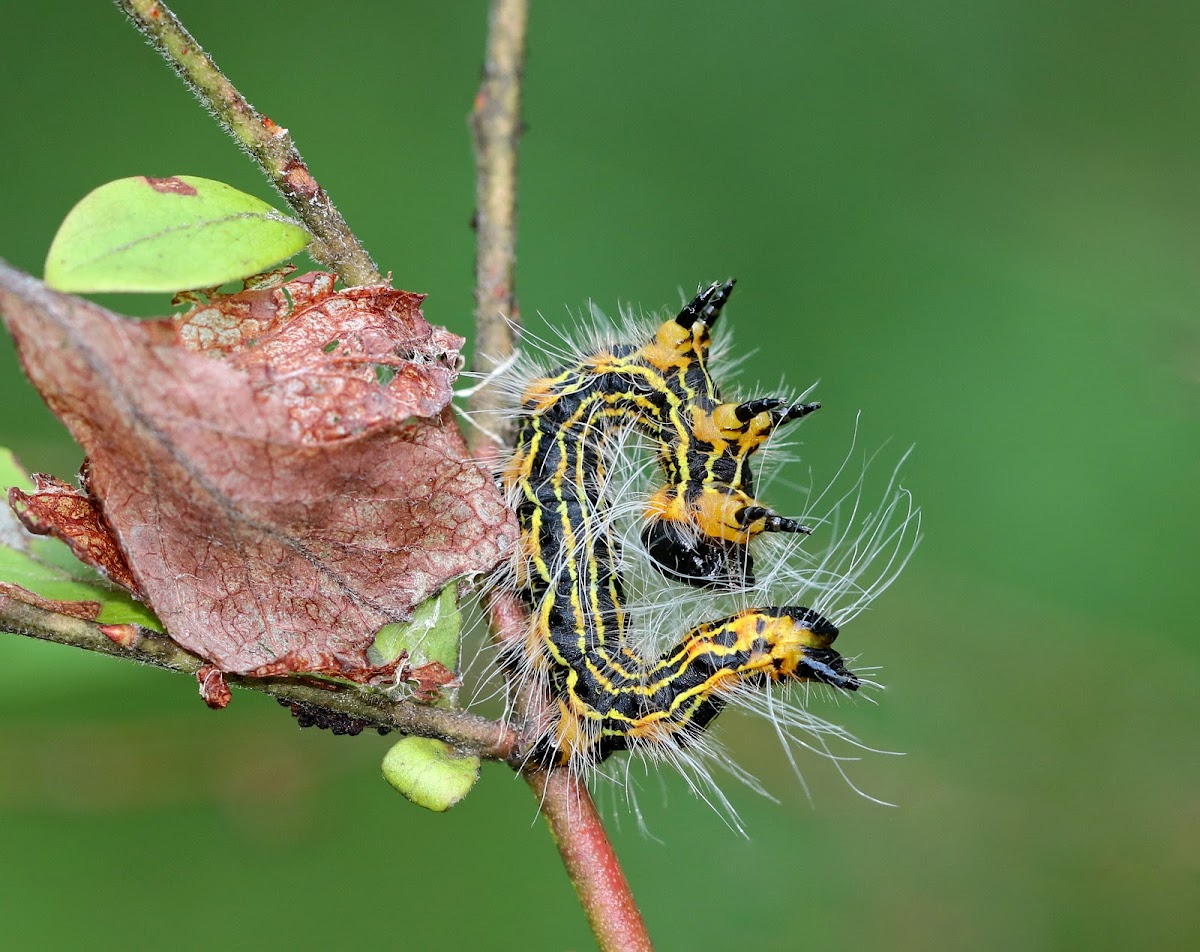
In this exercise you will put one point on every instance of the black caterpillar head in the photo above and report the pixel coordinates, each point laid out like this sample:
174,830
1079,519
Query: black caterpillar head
705,562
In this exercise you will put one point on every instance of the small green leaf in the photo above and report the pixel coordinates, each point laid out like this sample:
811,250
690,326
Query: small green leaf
48,568
430,772
164,235
432,635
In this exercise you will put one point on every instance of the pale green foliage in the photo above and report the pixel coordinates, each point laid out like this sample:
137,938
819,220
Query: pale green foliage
166,235
431,635
430,772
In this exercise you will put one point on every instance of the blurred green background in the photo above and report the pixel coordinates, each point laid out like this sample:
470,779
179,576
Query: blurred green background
978,222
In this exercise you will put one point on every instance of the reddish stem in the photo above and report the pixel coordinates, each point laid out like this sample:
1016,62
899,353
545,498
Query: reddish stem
566,804
591,863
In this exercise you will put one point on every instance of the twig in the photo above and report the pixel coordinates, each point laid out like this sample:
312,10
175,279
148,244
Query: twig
496,130
591,863
334,244
488,739
566,804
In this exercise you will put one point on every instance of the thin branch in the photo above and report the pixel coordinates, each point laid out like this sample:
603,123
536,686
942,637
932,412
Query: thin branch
496,131
578,832
334,244
591,863
488,739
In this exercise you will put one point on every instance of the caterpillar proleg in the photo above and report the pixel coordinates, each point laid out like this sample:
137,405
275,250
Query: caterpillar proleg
648,614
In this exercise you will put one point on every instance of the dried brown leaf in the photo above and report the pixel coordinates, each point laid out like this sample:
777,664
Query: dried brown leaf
343,362
428,679
278,500
214,690
60,510
88,611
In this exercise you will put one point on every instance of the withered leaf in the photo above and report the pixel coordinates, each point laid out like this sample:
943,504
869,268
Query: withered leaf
87,610
60,510
341,362
45,572
214,690
277,499
428,679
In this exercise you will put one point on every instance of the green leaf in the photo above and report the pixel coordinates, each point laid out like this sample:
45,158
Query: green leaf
430,772
48,568
164,235
432,635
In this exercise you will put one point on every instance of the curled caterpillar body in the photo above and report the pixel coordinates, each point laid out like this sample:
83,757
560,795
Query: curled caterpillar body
697,529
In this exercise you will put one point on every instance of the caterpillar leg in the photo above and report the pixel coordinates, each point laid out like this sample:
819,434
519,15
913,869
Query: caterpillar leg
682,553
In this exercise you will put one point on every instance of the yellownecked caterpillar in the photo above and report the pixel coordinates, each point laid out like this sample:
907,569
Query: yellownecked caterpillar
607,691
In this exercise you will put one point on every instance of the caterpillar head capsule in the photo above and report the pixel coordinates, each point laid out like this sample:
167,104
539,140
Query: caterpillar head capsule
816,660
681,554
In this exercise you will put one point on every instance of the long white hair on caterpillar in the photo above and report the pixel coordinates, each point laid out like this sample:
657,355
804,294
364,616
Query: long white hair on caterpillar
660,588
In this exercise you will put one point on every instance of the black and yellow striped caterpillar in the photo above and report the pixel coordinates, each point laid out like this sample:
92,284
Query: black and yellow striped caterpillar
606,694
